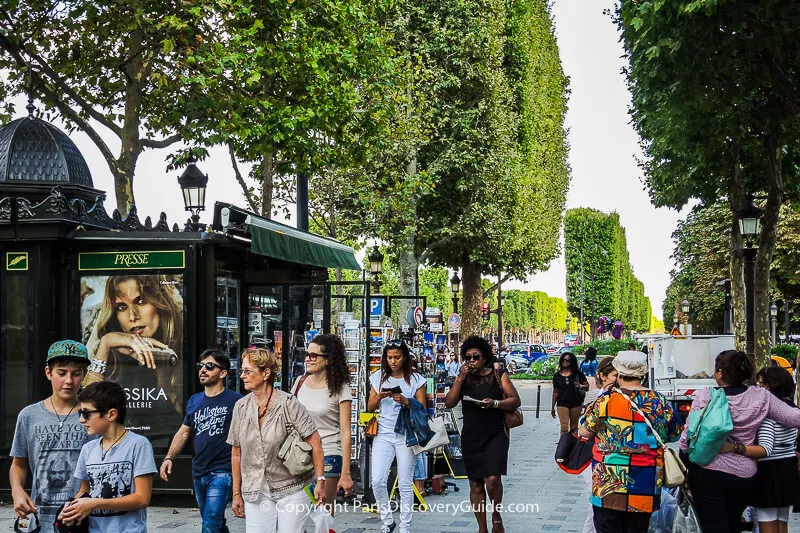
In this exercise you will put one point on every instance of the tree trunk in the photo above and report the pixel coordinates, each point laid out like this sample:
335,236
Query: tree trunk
409,265
266,172
736,199
472,298
131,145
769,224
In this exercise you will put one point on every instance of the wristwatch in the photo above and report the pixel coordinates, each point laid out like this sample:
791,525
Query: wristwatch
321,478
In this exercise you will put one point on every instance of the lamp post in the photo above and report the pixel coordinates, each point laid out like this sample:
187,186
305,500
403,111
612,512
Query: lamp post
193,185
749,219
685,311
773,321
455,285
375,267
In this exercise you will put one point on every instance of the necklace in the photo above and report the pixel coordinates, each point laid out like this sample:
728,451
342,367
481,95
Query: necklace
266,405
103,452
61,420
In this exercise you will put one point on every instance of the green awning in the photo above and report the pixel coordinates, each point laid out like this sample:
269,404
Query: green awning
289,244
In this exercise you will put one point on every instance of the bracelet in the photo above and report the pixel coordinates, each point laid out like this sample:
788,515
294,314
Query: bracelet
321,478
237,493
167,459
496,404
97,366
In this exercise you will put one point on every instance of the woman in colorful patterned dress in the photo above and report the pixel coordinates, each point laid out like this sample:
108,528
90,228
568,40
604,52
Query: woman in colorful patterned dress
628,467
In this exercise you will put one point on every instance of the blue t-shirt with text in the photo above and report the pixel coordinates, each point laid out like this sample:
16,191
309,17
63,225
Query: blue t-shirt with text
210,419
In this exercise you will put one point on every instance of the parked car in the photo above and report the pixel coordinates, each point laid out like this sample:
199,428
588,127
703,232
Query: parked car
516,364
553,348
531,352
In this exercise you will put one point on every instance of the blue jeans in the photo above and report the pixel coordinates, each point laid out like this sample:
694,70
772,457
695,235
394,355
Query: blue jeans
213,492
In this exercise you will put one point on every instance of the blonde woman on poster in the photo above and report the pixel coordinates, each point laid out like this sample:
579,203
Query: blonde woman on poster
136,339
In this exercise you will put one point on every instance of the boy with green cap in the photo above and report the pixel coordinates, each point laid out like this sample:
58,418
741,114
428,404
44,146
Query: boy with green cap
49,436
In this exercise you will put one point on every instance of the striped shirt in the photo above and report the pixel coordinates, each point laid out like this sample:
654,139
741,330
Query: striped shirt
777,439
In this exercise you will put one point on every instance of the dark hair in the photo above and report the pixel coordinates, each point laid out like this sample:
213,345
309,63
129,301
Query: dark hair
605,365
737,368
220,358
386,370
573,367
779,381
337,373
106,395
632,346
478,343
591,354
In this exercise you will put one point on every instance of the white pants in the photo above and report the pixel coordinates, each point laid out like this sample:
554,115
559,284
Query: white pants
773,514
286,515
588,524
385,449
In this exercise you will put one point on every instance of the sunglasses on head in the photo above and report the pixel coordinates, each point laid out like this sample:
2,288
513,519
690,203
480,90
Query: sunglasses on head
209,366
396,343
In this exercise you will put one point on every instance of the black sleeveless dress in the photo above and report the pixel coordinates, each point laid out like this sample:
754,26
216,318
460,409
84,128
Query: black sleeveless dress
483,436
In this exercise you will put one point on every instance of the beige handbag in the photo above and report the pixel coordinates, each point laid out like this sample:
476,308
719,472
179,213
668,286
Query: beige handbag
674,469
295,453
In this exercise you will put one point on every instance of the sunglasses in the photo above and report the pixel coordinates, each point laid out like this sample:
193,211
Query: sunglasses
311,356
86,413
467,358
209,366
396,342
245,373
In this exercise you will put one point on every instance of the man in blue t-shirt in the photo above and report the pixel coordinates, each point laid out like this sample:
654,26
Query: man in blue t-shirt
207,421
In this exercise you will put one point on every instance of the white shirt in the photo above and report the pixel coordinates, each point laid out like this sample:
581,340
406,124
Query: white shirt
390,409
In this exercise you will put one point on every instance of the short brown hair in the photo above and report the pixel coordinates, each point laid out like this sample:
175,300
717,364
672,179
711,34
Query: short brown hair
604,366
262,359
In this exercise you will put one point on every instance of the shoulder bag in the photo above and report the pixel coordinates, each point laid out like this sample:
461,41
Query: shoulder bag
513,418
580,392
295,453
674,469
300,384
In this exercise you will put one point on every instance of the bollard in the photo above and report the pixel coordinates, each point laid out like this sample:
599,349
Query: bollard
538,398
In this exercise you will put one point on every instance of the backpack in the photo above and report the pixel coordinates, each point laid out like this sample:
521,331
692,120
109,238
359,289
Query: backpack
709,428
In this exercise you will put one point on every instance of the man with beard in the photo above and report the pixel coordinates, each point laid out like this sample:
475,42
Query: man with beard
48,438
207,421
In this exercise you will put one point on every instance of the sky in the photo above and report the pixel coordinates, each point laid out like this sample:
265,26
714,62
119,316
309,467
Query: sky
603,151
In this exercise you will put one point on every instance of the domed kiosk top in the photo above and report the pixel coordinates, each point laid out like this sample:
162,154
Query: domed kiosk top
35,151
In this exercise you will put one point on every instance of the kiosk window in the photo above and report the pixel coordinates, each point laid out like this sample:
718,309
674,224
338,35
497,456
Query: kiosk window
15,370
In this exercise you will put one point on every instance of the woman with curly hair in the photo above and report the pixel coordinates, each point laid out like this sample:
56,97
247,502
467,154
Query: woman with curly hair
566,382
325,391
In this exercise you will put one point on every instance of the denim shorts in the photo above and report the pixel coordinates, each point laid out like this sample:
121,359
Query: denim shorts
333,466
421,466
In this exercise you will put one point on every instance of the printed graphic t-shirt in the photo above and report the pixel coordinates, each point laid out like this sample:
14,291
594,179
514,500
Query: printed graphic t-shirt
113,477
210,420
324,409
52,454
390,409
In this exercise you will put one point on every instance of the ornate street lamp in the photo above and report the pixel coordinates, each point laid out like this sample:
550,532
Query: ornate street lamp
375,267
773,323
193,185
685,311
749,219
455,286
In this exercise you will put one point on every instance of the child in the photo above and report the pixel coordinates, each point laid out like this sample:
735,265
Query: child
48,438
115,470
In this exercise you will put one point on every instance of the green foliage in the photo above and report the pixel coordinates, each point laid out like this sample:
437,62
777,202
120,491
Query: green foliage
603,346
528,310
787,351
543,368
619,295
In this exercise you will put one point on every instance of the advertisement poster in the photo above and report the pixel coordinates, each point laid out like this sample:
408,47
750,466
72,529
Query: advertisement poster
127,321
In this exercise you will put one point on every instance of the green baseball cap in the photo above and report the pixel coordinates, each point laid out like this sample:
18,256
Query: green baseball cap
67,349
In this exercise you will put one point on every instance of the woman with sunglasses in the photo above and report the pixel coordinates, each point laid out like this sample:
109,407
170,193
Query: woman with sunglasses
486,395
325,391
265,493
391,389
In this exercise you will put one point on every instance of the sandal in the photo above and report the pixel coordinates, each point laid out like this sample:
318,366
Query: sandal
497,526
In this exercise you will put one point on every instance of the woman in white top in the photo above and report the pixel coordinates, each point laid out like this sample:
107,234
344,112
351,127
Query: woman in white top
391,387
325,392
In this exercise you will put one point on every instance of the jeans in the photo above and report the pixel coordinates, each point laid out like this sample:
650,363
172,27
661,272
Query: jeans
286,515
385,449
333,466
213,492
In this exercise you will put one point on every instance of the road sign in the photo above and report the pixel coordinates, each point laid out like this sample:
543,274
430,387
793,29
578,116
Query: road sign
435,326
454,321
676,332
376,306
415,317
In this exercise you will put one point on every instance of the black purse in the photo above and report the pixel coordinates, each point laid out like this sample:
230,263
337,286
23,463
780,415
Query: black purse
61,527
36,529
573,452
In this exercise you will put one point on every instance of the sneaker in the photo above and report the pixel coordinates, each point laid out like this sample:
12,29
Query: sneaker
388,529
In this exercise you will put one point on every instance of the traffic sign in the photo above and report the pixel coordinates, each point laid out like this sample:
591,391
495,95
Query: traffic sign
376,306
415,317
454,321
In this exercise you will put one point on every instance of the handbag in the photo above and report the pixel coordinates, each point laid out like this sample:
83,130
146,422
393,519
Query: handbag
674,469
440,437
686,515
580,392
371,427
573,452
61,527
38,527
295,453
515,418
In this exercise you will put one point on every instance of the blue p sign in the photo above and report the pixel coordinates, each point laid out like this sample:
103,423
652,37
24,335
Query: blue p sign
376,306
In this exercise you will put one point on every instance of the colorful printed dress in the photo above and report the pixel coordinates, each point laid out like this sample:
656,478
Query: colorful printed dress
628,464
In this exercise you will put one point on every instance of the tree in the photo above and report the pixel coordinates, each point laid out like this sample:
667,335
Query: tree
118,67
715,102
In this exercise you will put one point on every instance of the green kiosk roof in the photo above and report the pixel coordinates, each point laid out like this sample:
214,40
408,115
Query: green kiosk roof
289,244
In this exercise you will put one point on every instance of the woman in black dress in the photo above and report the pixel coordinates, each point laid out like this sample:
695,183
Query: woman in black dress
484,437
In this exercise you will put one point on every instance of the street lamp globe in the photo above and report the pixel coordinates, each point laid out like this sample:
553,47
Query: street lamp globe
455,283
375,261
773,310
685,307
749,219
193,184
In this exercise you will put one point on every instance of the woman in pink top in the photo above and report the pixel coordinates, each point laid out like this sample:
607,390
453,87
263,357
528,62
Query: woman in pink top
722,488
